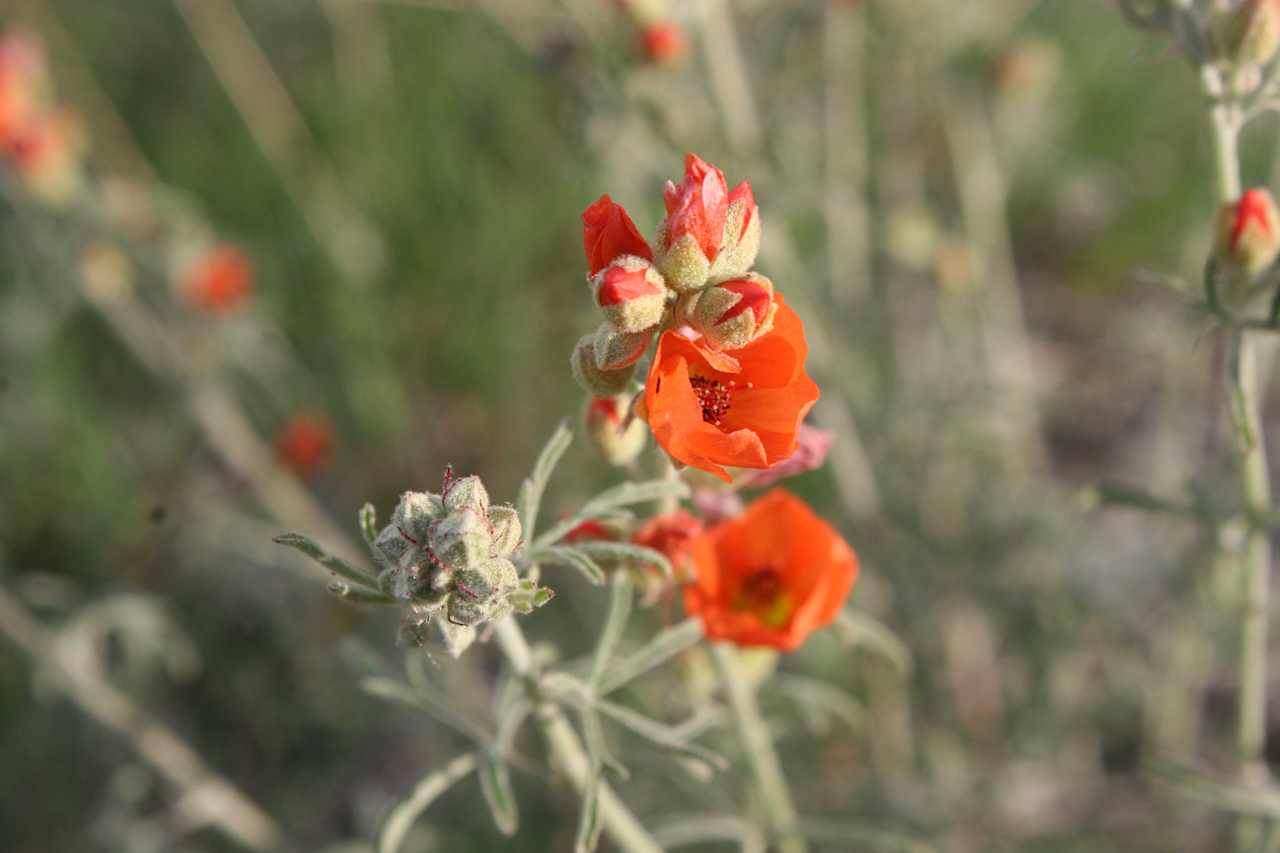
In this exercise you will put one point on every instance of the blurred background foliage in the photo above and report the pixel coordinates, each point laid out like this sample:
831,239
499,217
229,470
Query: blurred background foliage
976,207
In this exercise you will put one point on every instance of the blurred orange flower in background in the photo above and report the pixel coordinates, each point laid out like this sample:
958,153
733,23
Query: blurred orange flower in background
670,534
220,280
771,576
663,42
304,444
709,409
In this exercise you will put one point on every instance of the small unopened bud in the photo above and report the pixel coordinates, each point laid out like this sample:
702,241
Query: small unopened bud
415,513
1251,32
617,438
593,379
631,293
663,43
1249,233
615,350
466,493
481,590
394,547
684,264
742,232
733,314
462,539
689,238
505,522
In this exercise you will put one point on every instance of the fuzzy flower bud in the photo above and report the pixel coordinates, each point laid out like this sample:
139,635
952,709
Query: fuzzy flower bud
1249,233
614,350
594,379
733,314
415,514
395,548
505,524
1251,32
616,438
742,230
608,232
462,538
466,493
481,591
689,238
631,292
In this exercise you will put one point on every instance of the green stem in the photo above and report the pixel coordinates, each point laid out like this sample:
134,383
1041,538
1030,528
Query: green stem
1255,487
566,750
780,810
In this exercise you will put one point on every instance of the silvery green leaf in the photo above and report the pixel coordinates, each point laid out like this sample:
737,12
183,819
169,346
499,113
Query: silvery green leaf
658,733
530,498
398,691
618,551
337,565
359,594
495,782
369,526
400,818
858,628
620,594
669,643
571,556
623,494
823,697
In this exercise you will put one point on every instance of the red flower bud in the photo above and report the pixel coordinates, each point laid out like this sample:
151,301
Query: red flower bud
732,314
617,438
663,43
608,232
631,292
304,444
220,280
1249,233
691,235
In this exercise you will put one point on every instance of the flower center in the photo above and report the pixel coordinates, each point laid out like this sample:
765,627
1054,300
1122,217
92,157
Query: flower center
714,397
763,593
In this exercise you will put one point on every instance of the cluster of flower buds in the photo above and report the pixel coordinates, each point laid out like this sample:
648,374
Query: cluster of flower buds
42,141
449,556
725,332
661,39
1248,238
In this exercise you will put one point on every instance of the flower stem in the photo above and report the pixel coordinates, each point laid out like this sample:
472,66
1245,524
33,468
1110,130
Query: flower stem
780,810
566,750
1255,487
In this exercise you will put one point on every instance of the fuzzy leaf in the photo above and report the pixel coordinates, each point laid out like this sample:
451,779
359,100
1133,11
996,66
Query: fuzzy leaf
337,565
599,550
369,526
495,782
657,651
359,594
401,817
829,700
623,494
423,700
614,624
659,733
860,629
530,498
574,558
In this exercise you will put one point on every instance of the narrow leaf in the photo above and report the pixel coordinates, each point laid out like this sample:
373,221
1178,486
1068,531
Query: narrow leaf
623,494
572,557
597,747
861,629
688,830
334,564
398,821
817,694
664,646
359,594
627,551
589,825
614,624
530,498
397,691
659,733
495,782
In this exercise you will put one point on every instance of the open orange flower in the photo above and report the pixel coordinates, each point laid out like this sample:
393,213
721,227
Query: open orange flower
771,576
710,409
670,534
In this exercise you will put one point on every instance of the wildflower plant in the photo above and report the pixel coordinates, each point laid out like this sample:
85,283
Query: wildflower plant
726,388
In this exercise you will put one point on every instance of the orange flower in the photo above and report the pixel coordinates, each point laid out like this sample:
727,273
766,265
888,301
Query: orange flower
710,409
220,280
771,576
670,534
608,232
304,444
